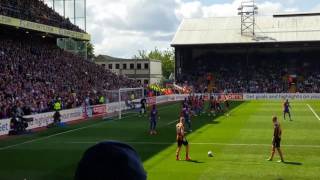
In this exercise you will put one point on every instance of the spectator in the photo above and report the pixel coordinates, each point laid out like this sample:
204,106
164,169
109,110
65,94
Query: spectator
255,77
35,11
34,73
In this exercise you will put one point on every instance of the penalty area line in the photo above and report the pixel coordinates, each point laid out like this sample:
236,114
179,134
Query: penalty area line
172,122
312,110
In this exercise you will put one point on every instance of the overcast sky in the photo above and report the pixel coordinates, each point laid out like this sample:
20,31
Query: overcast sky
122,27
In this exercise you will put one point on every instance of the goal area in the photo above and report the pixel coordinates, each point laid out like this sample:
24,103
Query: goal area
125,100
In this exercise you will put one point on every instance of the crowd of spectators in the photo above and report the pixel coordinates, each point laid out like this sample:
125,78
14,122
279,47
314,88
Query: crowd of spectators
35,73
35,11
310,84
262,77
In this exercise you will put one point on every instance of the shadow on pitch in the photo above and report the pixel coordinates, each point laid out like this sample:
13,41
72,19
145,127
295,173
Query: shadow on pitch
195,161
205,119
293,163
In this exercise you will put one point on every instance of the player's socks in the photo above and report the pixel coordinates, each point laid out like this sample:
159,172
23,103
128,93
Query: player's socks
187,155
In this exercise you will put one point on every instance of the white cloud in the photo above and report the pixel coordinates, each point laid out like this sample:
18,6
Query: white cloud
316,8
290,10
227,9
189,9
122,27
269,8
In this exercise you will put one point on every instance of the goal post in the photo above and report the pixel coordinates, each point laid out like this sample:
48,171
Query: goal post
126,99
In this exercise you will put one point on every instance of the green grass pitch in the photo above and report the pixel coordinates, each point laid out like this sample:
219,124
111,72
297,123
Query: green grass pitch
240,143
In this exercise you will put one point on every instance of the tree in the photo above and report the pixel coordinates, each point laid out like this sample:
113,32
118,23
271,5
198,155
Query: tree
165,56
90,50
142,54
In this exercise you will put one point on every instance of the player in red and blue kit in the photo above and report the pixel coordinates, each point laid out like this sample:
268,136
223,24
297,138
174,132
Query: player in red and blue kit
186,114
185,103
153,120
286,109
226,106
212,106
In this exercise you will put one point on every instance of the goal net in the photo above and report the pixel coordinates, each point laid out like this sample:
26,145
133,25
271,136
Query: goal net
125,100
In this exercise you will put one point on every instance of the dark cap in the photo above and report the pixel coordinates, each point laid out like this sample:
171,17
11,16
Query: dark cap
110,161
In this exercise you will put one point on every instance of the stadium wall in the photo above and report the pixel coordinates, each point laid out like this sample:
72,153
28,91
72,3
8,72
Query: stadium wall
85,113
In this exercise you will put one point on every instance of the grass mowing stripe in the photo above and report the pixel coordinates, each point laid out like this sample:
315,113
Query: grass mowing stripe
200,143
315,114
68,131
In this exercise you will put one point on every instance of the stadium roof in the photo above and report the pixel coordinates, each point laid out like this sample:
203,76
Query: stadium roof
106,58
226,30
28,25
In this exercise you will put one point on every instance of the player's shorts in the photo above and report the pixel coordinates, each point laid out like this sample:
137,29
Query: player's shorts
276,142
143,109
186,119
182,141
286,111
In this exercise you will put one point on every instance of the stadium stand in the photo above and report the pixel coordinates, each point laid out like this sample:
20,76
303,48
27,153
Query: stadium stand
35,11
35,73
281,56
263,77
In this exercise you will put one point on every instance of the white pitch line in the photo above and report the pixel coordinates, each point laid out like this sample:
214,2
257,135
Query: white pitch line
201,143
47,137
57,134
172,122
315,114
65,132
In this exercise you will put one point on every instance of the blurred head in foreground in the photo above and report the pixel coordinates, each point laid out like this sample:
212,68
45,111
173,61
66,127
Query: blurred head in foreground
110,161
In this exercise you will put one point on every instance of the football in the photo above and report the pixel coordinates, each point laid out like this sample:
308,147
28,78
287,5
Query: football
210,154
